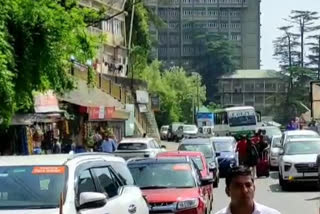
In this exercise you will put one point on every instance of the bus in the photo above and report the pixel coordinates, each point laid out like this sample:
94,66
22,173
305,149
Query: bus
236,120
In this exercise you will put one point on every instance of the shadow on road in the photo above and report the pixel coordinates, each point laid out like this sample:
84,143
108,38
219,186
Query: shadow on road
294,188
274,175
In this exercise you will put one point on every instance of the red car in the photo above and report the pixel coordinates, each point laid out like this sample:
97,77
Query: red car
200,161
172,185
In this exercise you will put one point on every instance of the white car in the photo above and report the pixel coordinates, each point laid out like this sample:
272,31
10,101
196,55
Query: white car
138,147
70,184
297,134
298,161
274,151
164,132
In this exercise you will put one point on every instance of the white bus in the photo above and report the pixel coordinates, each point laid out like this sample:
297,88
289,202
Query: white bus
235,120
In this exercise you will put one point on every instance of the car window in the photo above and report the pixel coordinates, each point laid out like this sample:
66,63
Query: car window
86,182
123,172
132,146
156,145
107,180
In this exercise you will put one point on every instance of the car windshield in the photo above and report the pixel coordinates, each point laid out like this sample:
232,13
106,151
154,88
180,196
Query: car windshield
189,128
226,146
301,148
132,146
162,175
28,187
272,131
242,118
275,142
206,149
198,162
300,136
164,128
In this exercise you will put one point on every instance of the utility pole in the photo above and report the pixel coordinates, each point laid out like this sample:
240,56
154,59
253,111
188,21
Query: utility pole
198,89
129,43
319,57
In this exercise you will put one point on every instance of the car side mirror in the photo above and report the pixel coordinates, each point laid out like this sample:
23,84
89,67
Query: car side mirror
218,154
206,181
163,147
92,200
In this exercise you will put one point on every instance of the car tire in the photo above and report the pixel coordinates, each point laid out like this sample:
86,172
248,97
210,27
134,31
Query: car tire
284,184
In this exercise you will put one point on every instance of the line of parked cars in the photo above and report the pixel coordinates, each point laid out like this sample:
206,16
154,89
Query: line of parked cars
295,154
178,131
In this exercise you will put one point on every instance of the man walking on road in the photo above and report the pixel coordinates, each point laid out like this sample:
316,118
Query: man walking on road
108,145
241,189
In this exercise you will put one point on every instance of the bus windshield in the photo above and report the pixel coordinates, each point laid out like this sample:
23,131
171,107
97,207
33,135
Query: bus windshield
242,118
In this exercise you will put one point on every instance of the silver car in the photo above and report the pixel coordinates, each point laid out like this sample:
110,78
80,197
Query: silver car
138,147
275,150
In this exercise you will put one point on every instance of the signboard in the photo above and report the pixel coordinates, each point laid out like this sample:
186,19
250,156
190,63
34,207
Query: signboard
155,103
46,102
129,124
205,119
100,113
315,100
142,97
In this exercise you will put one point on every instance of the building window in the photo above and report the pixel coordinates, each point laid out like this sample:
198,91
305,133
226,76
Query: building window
259,99
249,86
271,86
259,85
237,99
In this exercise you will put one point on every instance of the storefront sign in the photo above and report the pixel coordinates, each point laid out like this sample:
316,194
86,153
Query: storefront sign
142,97
46,102
100,113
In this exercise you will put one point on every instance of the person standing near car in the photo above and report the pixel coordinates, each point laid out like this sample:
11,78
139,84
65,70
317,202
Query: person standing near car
240,188
108,145
242,150
252,157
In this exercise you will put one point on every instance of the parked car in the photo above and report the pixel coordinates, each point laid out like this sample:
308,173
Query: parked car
201,163
226,153
138,147
274,151
205,146
207,131
297,134
186,131
164,132
87,183
172,185
298,161
172,131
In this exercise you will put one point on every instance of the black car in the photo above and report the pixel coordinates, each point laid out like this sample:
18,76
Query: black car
205,146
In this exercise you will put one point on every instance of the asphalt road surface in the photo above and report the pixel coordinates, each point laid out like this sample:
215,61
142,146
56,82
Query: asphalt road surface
299,200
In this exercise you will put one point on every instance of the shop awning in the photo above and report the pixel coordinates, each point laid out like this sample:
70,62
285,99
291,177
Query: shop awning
90,97
30,119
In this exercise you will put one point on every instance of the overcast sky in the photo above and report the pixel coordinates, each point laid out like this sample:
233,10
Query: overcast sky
273,12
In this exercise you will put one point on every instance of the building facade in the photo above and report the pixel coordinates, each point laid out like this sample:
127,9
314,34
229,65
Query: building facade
259,88
112,58
237,20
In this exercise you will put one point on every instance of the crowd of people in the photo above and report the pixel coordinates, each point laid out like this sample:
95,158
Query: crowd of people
251,149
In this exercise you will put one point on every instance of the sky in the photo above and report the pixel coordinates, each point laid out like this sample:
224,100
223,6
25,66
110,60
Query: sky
273,12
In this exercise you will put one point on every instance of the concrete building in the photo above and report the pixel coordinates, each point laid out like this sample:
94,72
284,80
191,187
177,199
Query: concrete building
112,58
237,20
259,88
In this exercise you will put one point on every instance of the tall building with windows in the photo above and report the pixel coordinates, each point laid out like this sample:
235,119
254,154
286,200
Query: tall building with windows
237,20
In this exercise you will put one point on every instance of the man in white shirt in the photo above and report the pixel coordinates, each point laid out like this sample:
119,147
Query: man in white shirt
240,188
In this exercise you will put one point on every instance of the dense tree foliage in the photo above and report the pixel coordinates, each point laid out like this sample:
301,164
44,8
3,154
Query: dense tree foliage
37,39
177,91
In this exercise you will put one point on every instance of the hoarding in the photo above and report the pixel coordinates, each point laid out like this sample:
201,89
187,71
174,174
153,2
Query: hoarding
315,100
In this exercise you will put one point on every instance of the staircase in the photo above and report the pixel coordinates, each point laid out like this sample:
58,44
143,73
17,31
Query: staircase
152,127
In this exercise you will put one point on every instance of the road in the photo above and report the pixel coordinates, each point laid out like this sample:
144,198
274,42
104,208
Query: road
299,200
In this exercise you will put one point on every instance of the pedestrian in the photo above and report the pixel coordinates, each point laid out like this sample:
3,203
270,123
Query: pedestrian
291,126
97,138
56,149
108,145
240,188
252,157
144,135
242,150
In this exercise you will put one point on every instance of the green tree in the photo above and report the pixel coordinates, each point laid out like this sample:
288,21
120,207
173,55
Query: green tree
177,91
37,39
216,58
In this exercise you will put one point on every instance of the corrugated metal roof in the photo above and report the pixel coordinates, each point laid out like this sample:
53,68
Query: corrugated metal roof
253,74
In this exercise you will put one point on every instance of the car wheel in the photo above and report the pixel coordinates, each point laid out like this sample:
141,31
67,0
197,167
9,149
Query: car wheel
284,184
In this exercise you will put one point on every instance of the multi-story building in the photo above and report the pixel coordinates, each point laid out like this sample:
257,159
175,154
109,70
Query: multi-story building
112,58
259,88
237,20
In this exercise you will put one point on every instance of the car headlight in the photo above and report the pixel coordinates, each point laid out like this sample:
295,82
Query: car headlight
287,166
188,204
